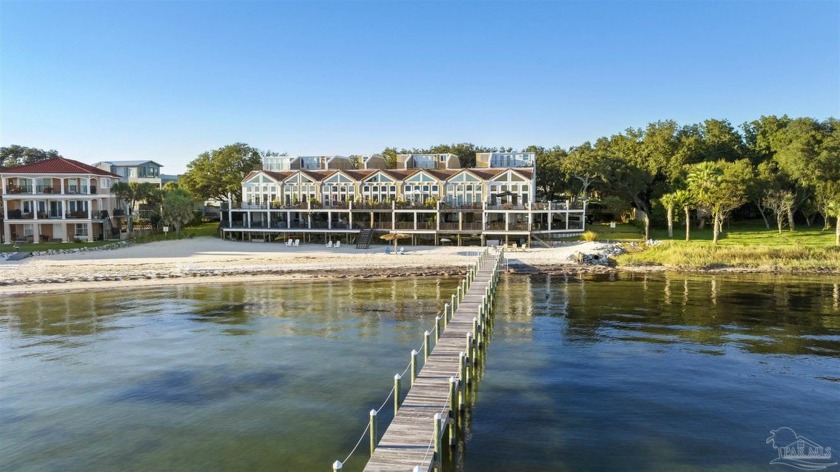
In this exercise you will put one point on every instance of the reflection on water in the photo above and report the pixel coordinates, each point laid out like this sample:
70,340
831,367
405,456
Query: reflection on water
635,372
276,376
656,372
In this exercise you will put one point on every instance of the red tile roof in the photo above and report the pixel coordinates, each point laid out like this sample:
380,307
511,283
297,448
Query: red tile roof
59,165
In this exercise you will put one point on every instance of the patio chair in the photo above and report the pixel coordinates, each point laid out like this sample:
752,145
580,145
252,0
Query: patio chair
401,251
329,243
297,242
388,250
337,244
289,242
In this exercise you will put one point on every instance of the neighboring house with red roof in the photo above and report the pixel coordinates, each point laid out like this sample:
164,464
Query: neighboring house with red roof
428,197
57,200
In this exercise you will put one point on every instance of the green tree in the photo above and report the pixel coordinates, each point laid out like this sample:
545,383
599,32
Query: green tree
629,174
390,156
131,194
833,209
464,151
780,202
218,174
584,164
679,199
15,155
721,187
721,141
355,161
177,209
684,200
550,175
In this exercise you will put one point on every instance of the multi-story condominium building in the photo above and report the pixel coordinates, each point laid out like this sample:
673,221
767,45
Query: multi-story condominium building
284,163
428,199
428,161
57,200
134,171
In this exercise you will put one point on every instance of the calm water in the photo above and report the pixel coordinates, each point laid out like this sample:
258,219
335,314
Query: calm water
640,373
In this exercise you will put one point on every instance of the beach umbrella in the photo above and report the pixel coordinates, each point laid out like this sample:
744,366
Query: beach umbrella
394,237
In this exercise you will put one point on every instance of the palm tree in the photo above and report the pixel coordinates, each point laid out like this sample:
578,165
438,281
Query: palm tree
684,200
680,199
131,193
833,209
668,201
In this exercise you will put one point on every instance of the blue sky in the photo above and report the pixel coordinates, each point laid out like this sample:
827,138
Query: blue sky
168,80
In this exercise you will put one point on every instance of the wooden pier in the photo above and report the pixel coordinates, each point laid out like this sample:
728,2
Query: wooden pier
413,441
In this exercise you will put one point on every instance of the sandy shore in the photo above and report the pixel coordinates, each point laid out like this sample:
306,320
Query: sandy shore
203,260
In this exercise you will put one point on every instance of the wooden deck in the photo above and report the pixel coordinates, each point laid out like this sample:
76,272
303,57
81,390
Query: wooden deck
408,441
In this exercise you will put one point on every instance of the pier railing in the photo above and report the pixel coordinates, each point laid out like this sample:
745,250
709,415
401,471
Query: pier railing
476,335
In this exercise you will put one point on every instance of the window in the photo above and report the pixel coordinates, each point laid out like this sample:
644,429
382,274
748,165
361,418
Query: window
81,229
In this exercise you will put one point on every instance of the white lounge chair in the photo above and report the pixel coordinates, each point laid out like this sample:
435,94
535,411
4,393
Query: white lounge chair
329,244
401,251
297,242
289,242
338,244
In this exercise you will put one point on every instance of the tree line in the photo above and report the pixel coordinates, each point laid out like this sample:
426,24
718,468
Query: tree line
786,169
780,166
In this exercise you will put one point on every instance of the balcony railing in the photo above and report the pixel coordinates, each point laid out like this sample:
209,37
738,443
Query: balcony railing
15,189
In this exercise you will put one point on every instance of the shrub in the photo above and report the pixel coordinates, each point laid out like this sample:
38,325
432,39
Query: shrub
589,236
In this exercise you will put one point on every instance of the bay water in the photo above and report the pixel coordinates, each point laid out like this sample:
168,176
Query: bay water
633,372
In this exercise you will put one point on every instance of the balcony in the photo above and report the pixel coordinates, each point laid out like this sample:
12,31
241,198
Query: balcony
15,189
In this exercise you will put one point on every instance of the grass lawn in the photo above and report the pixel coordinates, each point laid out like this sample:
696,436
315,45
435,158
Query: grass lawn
205,229
621,232
743,244
48,246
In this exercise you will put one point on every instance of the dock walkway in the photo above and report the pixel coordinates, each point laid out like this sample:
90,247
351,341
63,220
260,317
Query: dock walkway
408,442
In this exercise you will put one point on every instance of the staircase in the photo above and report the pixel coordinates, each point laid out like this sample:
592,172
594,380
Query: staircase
365,236
537,241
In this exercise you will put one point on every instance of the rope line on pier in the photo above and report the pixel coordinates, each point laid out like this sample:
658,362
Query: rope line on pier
362,437
432,441
436,328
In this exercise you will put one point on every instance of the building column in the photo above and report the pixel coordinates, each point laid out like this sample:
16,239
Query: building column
89,209
63,208
7,230
62,186
90,231
65,233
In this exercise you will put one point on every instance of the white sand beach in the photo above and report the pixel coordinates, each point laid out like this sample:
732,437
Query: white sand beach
202,260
